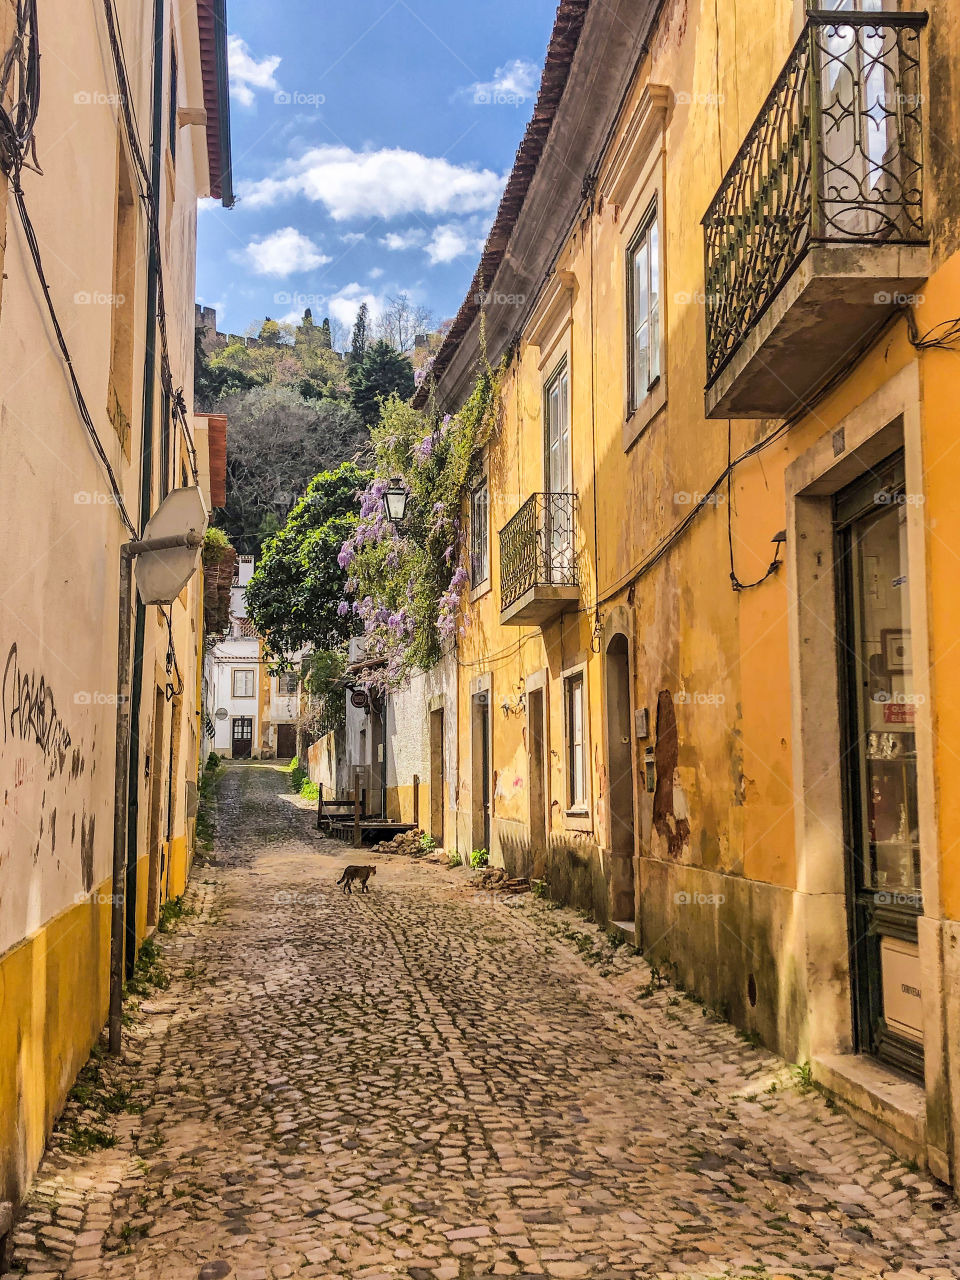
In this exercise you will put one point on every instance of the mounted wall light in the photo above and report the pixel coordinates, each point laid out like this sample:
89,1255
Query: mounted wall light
395,500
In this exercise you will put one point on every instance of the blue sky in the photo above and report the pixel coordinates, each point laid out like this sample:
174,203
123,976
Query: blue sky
371,141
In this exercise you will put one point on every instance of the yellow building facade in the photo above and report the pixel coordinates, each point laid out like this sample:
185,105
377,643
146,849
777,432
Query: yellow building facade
705,685
117,132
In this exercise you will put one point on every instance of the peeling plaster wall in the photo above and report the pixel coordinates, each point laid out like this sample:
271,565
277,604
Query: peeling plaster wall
61,537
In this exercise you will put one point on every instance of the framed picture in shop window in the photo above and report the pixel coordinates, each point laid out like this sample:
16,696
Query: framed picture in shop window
897,650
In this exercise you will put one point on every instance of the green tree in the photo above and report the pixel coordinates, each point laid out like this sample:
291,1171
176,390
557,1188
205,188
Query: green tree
326,338
358,340
381,373
277,442
294,598
211,382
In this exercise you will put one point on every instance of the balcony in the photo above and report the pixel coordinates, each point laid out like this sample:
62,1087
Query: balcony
538,564
816,235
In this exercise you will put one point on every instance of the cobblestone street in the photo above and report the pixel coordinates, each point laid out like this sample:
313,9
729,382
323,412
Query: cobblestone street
431,1082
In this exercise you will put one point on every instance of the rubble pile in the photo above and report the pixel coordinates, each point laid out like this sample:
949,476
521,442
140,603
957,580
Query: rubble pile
407,842
498,880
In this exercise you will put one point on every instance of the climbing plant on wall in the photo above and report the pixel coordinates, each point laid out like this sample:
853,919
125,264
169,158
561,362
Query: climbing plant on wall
406,583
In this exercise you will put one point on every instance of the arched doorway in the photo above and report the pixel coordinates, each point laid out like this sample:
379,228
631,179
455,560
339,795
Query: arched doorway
617,715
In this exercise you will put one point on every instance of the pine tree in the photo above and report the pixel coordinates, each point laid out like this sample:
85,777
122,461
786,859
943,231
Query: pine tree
381,372
358,342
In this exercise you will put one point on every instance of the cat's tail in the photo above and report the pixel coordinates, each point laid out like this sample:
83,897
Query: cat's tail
342,878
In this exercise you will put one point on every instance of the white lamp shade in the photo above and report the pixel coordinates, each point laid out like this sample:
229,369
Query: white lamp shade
395,501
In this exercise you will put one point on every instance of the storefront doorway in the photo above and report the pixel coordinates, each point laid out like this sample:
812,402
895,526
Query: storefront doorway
879,753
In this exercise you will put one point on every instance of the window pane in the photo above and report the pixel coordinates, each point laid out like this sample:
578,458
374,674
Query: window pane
576,780
890,847
641,330
654,242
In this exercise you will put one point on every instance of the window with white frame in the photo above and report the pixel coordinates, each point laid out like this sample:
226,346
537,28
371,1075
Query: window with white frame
573,691
643,292
479,534
244,682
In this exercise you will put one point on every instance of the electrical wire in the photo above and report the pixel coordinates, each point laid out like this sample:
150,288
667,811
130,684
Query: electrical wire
21,68
943,336
172,691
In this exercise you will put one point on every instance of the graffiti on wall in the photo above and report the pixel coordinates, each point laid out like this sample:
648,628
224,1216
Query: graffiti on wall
30,714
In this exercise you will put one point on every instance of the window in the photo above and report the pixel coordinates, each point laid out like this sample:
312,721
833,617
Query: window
576,742
172,119
479,535
244,683
120,392
559,470
643,291
289,682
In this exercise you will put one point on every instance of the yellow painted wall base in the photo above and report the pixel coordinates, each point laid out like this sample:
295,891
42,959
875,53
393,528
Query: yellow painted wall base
178,867
400,804
54,991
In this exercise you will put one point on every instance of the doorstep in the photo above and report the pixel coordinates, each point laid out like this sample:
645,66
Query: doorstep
889,1105
628,928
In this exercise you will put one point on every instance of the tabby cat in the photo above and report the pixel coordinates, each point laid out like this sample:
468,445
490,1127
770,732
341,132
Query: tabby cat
362,874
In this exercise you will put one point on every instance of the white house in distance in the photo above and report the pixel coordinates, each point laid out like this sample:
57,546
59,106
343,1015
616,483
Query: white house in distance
233,677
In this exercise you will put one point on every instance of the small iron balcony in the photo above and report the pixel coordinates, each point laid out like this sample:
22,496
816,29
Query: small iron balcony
538,563
817,232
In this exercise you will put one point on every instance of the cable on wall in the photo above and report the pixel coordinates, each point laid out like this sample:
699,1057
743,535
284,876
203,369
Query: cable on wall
20,79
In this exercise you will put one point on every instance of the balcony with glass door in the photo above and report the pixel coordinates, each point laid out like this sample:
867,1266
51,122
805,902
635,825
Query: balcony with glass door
817,233
538,563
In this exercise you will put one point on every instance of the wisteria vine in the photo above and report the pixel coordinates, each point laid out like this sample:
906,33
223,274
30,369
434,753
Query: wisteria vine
406,584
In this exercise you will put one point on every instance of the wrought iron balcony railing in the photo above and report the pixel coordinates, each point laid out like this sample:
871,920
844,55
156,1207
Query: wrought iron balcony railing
835,155
537,547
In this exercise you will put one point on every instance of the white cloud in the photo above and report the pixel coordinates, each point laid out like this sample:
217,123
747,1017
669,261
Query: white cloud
247,74
281,253
387,183
451,240
375,273
397,241
345,303
352,237
513,84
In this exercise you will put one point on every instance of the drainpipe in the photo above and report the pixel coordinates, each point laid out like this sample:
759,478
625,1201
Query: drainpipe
146,490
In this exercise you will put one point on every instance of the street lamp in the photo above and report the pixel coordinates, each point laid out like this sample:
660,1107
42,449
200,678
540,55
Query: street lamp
395,500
